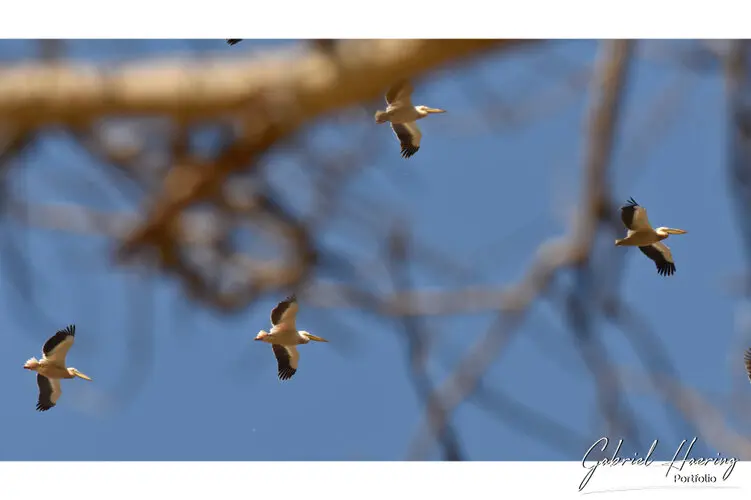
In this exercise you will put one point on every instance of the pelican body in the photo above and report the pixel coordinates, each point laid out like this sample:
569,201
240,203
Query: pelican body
405,114
641,234
51,368
284,337
403,117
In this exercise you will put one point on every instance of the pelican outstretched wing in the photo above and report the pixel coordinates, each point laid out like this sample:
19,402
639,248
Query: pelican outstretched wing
49,392
233,41
56,347
409,136
286,360
660,253
634,216
747,362
400,94
285,312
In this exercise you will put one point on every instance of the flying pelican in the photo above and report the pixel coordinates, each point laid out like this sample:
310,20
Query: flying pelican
51,368
233,41
640,234
403,117
747,362
284,336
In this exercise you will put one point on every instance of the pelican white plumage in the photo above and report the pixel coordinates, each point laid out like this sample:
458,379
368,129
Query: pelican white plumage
284,337
51,368
403,117
640,234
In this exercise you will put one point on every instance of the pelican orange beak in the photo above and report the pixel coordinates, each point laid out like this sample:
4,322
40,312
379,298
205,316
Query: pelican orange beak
316,338
675,231
436,110
83,376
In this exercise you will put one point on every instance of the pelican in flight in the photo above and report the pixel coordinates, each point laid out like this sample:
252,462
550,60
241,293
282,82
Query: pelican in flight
403,117
51,368
640,234
284,337
747,362
233,41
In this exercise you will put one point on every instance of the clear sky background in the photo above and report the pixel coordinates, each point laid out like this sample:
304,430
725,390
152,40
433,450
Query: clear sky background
177,382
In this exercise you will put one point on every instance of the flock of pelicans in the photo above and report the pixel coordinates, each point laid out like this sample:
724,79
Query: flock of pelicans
284,336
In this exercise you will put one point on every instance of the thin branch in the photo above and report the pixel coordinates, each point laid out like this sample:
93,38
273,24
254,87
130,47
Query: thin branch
418,343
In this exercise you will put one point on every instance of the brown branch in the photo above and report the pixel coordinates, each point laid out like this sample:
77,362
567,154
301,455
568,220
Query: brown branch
37,95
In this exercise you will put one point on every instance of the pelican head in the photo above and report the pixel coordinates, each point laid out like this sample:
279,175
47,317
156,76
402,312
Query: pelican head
427,110
261,335
309,336
667,231
75,373
31,364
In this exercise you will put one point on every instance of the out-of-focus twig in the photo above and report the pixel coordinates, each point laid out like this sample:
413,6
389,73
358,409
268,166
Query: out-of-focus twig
418,343
619,417
739,133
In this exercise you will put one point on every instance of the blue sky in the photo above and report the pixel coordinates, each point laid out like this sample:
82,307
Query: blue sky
484,197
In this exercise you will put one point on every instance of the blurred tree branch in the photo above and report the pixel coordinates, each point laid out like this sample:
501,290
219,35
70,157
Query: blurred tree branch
38,95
